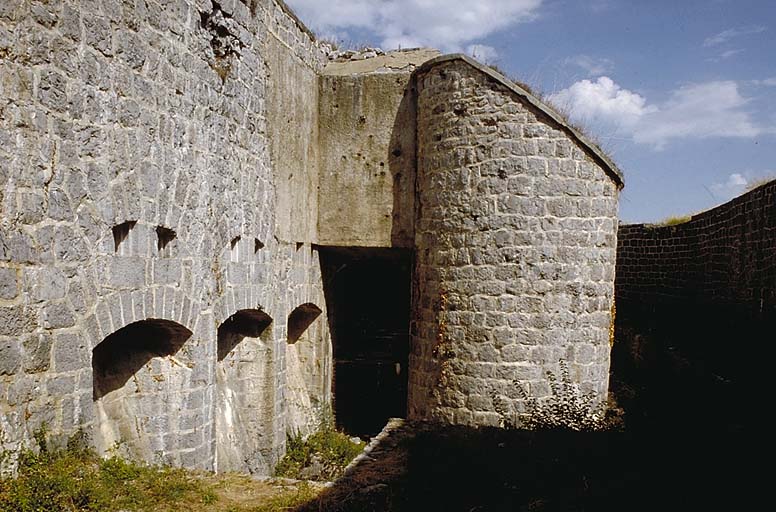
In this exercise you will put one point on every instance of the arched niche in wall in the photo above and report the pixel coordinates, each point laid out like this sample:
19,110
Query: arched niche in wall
308,367
300,319
142,389
245,388
246,323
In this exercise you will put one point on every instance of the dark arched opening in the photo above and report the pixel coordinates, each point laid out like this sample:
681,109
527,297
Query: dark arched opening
120,355
300,319
246,323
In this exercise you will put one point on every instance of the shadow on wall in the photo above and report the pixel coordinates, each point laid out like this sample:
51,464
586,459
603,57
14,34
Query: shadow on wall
432,467
696,304
402,164
120,355
247,323
300,319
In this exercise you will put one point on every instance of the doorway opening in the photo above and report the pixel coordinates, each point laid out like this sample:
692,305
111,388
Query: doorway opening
368,295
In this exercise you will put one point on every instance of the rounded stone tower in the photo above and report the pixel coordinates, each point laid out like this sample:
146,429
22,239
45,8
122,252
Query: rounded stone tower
515,237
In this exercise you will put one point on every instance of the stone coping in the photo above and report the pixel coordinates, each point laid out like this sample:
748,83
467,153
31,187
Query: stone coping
595,152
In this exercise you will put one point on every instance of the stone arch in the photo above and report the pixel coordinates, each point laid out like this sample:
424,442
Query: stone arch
146,401
245,392
246,323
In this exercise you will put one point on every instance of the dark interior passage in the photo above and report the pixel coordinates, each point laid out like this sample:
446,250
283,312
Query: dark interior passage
368,302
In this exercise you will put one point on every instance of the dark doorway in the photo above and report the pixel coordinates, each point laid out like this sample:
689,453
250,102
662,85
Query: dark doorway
368,304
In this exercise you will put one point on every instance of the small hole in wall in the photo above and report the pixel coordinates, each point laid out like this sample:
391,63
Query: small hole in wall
257,245
234,249
299,245
164,237
121,232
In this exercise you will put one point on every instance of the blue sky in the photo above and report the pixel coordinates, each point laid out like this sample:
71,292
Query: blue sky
681,93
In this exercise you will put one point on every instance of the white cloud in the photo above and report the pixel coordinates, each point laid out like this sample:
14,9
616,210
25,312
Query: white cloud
711,109
734,186
411,23
740,182
770,82
600,5
483,53
593,66
727,35
601,102
729,53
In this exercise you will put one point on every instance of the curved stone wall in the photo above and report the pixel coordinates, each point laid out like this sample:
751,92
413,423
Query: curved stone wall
515,239
698,292
136,183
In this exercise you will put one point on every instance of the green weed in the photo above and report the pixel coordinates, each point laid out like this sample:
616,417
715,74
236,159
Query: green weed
331,450
75,478
565,409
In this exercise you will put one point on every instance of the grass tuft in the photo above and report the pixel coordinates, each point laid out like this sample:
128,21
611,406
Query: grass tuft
76,478
327,449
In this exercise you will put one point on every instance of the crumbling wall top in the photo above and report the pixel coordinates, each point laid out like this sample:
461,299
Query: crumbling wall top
374,60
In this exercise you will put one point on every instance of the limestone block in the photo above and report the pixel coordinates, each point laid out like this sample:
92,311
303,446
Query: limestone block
10,356
70,353
9,283
127,272
57,316
17,320
37,352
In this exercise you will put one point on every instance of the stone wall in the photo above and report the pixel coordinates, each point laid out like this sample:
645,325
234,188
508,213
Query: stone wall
515,249
724,256
169,170
138,190
702,293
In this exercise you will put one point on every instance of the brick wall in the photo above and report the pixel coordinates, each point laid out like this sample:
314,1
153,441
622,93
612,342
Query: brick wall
696,308
723,256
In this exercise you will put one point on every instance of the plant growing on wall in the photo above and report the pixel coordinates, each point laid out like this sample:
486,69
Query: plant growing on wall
567,408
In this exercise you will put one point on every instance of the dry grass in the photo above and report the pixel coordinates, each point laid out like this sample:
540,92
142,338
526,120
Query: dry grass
759,183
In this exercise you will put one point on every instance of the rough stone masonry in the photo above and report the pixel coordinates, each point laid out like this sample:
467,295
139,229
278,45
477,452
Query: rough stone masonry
170,171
